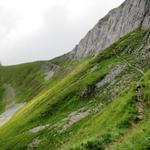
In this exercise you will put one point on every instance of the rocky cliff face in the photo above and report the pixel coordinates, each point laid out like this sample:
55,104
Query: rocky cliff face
132,14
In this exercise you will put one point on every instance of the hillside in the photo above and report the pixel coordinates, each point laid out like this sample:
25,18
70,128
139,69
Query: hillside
20,83
102,103
96,97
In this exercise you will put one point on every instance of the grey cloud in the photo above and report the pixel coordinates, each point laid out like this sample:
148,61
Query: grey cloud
58,36
7,22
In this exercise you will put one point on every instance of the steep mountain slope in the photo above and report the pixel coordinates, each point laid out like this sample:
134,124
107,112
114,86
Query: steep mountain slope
132,14
83,101
95,106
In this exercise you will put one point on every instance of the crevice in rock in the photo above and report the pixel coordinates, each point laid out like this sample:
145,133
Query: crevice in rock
147,8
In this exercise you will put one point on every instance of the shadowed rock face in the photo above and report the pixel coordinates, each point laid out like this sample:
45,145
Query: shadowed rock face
132,14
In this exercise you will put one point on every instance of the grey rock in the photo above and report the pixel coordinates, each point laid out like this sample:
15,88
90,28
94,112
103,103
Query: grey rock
49,70
34,144
38,129
49,75
131,15
112,75
92,69
75,117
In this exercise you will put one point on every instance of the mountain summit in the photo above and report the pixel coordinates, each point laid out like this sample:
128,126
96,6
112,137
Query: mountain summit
130,15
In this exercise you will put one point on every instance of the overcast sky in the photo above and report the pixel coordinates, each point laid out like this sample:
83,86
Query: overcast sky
42,29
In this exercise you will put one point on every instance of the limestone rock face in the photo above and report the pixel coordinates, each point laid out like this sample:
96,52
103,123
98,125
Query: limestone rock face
132,14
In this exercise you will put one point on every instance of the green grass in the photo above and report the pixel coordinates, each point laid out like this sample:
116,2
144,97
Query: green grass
113,120
50,102
139,137
27,80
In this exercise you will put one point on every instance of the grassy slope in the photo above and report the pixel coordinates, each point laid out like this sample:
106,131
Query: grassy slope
139,137
110,127
27,80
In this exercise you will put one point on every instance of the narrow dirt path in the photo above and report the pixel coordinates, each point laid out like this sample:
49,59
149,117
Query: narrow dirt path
139,104
141,115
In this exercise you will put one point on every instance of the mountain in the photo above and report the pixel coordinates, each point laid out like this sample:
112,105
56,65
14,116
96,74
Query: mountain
131,15
96,97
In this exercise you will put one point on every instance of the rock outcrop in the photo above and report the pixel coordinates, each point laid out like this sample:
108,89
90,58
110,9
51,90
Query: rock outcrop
132,14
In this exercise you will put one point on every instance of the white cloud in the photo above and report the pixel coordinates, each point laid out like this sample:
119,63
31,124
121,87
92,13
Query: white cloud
42,29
